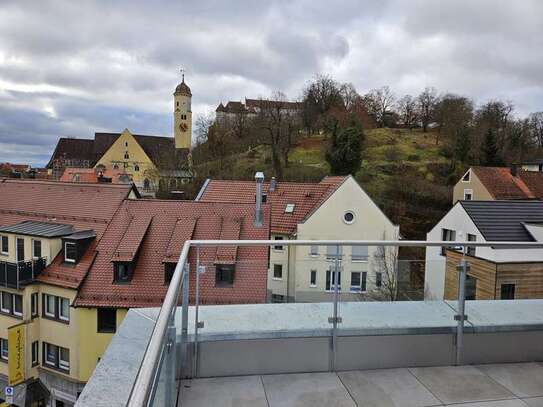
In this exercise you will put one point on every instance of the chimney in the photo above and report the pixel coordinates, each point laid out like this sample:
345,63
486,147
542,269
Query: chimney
514,170
273,184
259,178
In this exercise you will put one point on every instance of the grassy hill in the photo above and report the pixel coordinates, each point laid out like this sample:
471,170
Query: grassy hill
403,171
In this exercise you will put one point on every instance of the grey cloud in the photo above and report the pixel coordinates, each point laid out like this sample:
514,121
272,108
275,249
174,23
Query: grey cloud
72,68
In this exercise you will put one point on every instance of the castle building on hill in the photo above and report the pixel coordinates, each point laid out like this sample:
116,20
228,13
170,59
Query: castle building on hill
252,107
151,162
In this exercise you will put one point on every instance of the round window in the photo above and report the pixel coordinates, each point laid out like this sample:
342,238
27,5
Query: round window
348,217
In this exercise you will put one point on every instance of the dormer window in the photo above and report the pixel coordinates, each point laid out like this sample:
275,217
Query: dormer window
70,252
76,178
76,244
169,269
122,272
224,275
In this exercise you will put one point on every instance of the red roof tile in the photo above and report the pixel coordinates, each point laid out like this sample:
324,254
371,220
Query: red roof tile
90,175
131,239
306,198
501,184
84,206
209,221
183,230
230,230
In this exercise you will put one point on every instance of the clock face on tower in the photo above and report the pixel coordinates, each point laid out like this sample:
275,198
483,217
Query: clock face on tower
183,127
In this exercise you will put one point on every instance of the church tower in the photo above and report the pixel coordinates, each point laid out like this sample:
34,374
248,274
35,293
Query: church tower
182,116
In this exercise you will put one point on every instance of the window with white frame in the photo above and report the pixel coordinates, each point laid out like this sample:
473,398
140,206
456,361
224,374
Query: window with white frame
471,249
56,356
34,305
363,281
334,252
57,308
70,252
278,247
289,208
313,278
35,353
11,304
4,349
468,194
359,253
355,280
331,280
378,279
278,271
314,250
447,235
4,245
36,248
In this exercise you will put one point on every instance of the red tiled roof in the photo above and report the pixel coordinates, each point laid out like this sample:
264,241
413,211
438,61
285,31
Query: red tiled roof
306,197
533,181
147,287
132,237
501,184
230,230
90,175
84,206
183,230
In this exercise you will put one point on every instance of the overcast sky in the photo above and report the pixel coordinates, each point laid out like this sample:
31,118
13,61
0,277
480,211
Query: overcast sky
70,68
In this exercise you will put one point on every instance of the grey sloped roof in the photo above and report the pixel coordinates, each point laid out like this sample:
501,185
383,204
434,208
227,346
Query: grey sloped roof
43,229
82,235
504,220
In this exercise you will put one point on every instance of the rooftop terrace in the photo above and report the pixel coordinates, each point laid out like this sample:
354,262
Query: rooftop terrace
332,353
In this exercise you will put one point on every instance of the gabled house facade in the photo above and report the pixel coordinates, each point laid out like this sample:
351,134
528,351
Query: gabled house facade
335,208
496,273
498,183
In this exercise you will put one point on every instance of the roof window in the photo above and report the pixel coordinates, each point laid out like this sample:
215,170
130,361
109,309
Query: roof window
289,208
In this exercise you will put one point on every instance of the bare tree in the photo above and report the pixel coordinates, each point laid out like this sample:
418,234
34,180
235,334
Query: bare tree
203,125
379,103
536,127
427,102
407,109
319,98
280,127
350,96
385,264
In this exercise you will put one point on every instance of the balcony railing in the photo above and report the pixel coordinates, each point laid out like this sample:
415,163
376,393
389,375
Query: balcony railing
167,353
17,275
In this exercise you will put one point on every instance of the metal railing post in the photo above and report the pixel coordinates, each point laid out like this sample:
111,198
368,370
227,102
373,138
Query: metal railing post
335,318
462,268
171,394
196,317
185,317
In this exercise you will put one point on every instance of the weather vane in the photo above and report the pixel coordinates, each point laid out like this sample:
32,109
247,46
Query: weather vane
182,70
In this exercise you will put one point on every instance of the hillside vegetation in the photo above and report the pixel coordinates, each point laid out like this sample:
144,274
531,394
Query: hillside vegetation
402,170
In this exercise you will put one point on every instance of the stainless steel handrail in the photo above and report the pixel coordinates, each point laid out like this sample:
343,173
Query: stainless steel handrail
141,390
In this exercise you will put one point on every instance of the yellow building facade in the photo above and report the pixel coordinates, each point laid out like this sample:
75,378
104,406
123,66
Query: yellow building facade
62,344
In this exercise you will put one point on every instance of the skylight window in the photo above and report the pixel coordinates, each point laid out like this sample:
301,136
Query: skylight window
289,208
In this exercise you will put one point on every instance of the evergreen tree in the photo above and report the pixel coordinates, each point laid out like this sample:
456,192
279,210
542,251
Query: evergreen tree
344,153
490,149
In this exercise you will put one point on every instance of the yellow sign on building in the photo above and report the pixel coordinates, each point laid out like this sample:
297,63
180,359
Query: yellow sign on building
16,354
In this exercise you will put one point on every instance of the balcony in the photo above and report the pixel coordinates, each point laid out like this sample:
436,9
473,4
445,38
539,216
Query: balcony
20,274
336,352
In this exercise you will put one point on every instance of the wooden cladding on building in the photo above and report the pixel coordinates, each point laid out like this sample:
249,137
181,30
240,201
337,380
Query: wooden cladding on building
527,278
483,271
